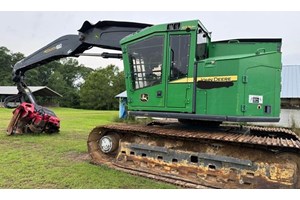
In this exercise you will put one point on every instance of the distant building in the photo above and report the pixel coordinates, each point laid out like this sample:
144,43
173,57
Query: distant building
290,83
38,91
122,104
290,98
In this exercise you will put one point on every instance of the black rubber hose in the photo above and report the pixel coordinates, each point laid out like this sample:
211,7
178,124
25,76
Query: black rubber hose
14,98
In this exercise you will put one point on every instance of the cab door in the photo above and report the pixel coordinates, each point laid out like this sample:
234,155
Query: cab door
180,72
147,73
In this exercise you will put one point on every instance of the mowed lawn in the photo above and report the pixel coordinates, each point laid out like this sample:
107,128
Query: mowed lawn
61,160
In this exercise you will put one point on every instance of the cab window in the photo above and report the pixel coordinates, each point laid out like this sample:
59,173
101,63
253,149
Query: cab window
146,60
180,46
202,51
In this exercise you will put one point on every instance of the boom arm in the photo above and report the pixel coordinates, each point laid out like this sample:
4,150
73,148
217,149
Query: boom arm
104,34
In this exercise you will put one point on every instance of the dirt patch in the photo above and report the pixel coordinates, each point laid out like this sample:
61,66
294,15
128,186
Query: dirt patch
78,157
297,131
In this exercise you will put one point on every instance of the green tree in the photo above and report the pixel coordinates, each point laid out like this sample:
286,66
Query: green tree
74,73
64,76
99,90
40,76
70,94
7,60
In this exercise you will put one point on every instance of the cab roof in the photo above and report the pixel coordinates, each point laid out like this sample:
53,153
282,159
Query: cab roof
177,26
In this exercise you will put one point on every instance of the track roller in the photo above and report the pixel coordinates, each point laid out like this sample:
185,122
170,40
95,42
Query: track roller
109,143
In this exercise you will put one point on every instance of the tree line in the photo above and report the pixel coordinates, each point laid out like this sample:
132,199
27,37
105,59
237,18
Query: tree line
81,86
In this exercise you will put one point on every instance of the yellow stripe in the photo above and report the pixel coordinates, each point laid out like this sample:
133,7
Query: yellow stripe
183,80
208,78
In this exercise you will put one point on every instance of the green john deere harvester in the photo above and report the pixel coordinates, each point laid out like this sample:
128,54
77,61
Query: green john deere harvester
211,89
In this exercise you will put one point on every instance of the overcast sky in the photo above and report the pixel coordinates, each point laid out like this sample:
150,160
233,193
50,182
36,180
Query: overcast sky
28,31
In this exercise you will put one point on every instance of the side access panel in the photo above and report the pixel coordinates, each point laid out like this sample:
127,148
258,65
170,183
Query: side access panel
217,87
262,94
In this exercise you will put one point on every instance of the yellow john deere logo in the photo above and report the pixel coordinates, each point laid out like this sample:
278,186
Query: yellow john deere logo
218,78
208,79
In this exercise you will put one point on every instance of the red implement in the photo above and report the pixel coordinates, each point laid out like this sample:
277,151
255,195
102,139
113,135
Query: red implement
30,118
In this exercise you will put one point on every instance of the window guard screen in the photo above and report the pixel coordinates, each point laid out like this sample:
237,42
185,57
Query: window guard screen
146,59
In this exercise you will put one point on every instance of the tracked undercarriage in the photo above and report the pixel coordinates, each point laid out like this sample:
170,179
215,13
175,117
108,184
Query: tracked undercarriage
227,157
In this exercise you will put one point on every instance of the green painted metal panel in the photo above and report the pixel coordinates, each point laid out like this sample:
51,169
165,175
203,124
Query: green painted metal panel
262,89
221,97
240,47
257,76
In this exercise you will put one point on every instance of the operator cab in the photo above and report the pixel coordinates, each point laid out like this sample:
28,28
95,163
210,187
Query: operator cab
158,62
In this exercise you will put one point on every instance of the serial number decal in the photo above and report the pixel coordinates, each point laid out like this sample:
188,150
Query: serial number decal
256,99
59,46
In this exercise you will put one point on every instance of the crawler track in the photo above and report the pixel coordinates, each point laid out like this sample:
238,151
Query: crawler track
229,157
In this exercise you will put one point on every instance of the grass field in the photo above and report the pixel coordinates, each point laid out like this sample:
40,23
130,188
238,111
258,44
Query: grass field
60,160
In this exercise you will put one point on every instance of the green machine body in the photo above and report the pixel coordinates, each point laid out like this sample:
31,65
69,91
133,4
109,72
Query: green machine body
176,71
